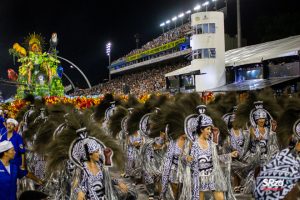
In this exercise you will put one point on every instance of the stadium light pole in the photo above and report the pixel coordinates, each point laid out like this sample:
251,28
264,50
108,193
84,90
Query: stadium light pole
189,14
181,15
168,22
239,29
108,50
174,19
206,3
162,25
215,3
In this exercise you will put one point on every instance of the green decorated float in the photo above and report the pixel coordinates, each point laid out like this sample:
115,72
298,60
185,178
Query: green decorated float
40,72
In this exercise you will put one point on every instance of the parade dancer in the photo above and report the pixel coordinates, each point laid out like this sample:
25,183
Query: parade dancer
172,118
172,167
238,140
134,143
206,172
94,183
101,109
152,164
153,152
135,138
280,177
262,133
263,143
59,166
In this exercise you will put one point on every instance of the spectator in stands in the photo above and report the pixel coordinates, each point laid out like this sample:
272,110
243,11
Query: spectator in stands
138,83
165,38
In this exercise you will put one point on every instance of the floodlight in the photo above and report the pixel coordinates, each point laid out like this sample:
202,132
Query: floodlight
181,15
205,4
197,7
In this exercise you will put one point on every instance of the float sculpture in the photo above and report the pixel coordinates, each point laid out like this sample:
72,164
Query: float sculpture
39,72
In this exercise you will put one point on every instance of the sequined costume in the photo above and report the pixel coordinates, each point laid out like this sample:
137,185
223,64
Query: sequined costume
279,176
237,142
202,167
263,145
267,144
133,152
152,164
172,166
206,170
93,185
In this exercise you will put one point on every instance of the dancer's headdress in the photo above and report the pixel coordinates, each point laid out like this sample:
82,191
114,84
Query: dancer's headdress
230,117
61,147
119,115
84,145
260,113
193,122
269,107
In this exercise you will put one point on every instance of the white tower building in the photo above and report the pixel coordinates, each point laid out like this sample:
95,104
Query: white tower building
208,49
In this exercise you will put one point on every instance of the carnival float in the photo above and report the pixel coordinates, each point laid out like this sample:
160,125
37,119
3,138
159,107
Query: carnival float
39,72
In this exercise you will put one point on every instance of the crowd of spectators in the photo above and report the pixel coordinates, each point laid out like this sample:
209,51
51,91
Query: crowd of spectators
165,38
138,83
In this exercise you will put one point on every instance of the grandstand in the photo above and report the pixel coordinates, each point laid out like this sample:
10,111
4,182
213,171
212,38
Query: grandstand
166,53
170,44
164,65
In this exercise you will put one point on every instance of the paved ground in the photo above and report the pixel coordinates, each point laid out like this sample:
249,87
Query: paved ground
142,193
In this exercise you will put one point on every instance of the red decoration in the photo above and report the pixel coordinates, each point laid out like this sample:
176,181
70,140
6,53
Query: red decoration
12,75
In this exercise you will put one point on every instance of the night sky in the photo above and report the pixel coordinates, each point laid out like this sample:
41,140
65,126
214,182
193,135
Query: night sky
84,27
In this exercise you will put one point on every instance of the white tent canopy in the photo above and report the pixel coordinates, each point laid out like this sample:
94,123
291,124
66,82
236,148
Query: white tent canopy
264,51
183,70
253,54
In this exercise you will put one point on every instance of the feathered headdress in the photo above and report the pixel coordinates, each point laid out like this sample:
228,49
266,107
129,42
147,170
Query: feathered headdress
121,111
223,103
269,104
288,123
115,120
173,114
59,148
101,108
55,122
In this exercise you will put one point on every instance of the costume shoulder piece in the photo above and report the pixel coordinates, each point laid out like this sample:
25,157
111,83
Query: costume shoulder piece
190,126
110,111
101,108
144,125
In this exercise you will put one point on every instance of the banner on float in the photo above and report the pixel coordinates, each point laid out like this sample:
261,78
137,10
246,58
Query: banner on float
156,50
